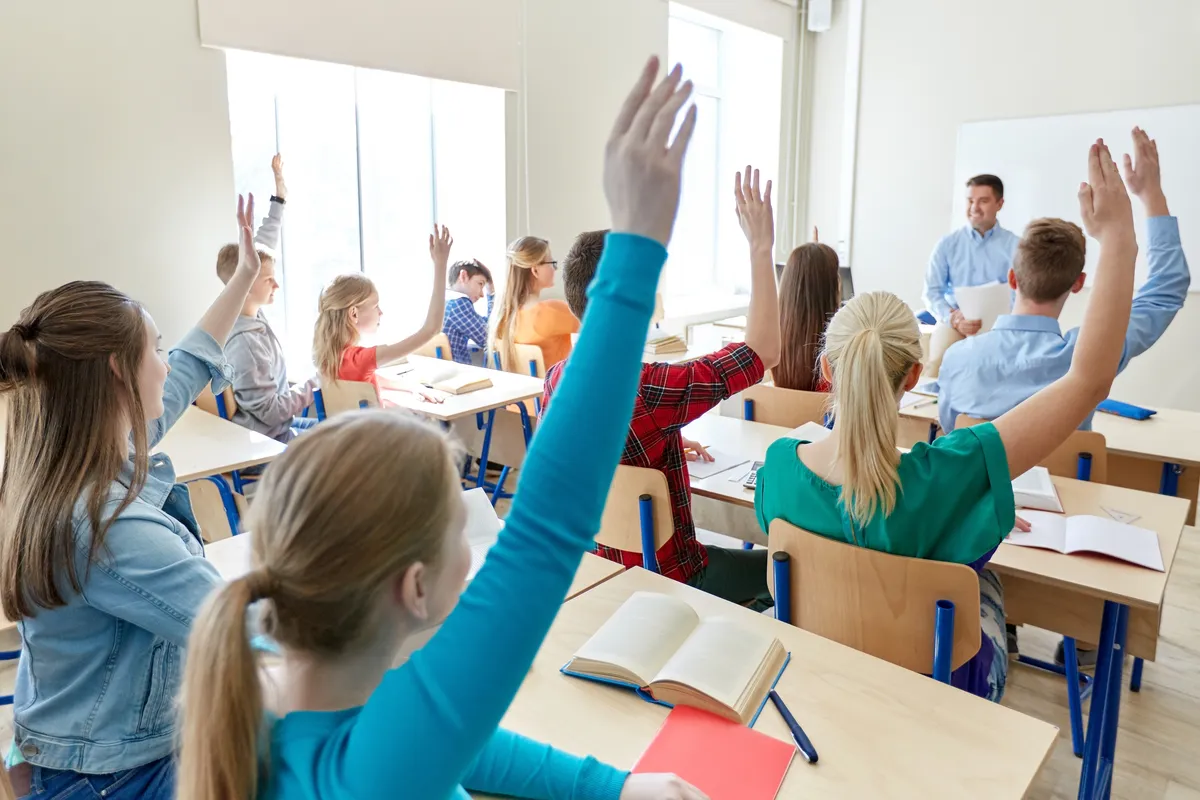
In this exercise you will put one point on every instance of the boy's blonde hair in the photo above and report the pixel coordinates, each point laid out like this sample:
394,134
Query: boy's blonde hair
227,259
347,508
523,255
871,344
334,330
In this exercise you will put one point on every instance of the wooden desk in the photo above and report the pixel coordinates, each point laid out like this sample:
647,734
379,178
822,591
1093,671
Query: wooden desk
882,731
201,445
507,388
743,438
231,557
1160,454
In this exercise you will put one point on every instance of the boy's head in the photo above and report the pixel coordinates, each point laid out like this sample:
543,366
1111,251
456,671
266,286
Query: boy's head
469,277
1049,261
579,267
263,291
985,198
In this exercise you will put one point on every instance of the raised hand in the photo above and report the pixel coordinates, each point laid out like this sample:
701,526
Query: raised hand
642,168
1103,201
651,786
1142,174
440,242
277,168
754,210
248,260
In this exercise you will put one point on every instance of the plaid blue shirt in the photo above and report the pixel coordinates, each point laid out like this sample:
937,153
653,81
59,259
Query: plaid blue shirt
463,326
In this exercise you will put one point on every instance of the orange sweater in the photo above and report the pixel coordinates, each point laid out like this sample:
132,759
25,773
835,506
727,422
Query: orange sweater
548,324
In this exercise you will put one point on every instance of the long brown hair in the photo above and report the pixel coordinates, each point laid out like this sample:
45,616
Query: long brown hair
523,255
69,371
809,295
348,507
334,331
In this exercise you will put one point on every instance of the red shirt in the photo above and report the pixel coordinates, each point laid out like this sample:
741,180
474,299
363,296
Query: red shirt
358,364
669,397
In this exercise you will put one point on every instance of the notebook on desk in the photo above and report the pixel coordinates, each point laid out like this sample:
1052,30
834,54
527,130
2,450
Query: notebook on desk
660,647
1088,534
462,383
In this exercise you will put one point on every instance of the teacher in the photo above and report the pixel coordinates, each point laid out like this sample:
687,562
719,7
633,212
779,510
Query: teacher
979,252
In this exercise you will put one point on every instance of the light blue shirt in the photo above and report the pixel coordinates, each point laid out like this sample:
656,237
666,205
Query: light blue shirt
990,374
966,258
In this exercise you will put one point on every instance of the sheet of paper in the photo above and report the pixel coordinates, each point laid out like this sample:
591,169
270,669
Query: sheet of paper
809,432
723,461
1086,533
928,388
984,303
916,400
482,526
1049,531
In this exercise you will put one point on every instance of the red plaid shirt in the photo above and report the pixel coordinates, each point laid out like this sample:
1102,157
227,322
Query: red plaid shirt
671,396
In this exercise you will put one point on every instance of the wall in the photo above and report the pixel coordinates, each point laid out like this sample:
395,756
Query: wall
114,154
930,65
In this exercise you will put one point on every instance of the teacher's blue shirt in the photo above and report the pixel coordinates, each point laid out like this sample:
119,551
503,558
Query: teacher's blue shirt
990,374
967,258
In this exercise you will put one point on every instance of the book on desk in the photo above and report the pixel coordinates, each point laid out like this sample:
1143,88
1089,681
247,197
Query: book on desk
661,648
1088,534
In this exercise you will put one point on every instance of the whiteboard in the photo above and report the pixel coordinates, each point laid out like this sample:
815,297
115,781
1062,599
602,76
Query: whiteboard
1043,159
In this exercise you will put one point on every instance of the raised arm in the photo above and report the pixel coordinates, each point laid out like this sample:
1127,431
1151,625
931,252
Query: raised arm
440,242
757,219
1032,430
270,232
219,319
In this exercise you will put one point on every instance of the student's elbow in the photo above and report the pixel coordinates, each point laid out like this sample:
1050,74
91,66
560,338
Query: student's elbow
768,352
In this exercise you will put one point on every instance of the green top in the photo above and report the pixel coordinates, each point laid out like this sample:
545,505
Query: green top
955,501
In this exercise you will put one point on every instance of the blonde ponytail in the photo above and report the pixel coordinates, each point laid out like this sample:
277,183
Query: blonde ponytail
222,698
523,255
871,344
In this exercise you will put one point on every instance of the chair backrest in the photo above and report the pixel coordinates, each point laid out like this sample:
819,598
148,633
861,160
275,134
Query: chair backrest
875,602
437,347
621,524
1064,461
211,512
207,401
530,360
790,408
338,397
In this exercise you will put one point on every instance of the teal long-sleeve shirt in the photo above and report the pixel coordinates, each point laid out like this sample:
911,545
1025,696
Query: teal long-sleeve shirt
431,726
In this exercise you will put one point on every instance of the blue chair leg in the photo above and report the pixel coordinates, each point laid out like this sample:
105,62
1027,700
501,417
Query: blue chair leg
943,640
748,410
782,564
437,352
747,545
487,446
239,485
1074,701
319,404
499,491
646,512
1135,676
222,411
227,501
1083,467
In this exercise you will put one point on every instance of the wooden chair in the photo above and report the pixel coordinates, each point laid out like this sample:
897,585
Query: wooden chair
218,509
1083,456
437,347
223,406
637,516
530,360
790,408
900,609
507,446
336,397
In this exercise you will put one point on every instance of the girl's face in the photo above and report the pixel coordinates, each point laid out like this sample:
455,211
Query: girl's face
152,374
366,315
543,273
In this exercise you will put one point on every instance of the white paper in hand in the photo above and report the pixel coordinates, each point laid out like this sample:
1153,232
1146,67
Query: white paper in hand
984,303
482,526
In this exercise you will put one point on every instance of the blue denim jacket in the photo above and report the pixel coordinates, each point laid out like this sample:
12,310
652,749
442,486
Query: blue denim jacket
98,677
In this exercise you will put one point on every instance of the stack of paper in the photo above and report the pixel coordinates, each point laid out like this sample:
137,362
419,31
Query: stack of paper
665,344
984,303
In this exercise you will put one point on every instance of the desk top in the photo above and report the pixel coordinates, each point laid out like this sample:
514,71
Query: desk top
926,412
1097,576
506,388
734,437
201,444
1170,435
231,557
880,729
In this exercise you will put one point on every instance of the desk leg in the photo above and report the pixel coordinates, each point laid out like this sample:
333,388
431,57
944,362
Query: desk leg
1112,710
1101,693
487,445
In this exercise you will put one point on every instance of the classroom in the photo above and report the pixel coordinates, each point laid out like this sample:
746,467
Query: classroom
877,312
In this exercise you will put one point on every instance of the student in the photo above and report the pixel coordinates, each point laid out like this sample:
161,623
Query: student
101,561
358,543
810,293
951,500
523,318
266,403
672,395
469,281
980,252
349,309
989,374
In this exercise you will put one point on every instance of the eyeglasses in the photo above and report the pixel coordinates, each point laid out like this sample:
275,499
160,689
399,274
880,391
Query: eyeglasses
552,264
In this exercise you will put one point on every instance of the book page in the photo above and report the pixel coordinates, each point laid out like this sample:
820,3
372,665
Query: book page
984,303
719,659
482,527
1035,489
1049,531
642,635
1111,538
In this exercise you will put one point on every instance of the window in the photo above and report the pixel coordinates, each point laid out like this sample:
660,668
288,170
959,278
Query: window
372,160
738,73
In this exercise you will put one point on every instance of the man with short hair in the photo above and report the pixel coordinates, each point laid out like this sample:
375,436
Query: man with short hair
978,253
468,281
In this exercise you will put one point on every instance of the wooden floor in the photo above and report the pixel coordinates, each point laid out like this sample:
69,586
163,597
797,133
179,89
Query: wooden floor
1158,754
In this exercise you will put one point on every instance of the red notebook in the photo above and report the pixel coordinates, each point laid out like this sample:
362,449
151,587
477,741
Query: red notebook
723,759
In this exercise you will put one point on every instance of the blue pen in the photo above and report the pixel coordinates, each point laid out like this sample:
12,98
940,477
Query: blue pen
802,742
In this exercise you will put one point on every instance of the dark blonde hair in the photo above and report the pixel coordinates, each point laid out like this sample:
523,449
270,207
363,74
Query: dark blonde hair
334,330
348,507
1049,259
523,255
809,295
227,260
69,369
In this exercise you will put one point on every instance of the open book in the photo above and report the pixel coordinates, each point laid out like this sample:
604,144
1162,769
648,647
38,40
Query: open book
482,527
663,345
1088,534
1034,489
461,383
660,647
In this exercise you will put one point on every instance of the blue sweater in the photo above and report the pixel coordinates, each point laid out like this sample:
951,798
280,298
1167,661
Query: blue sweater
431,726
